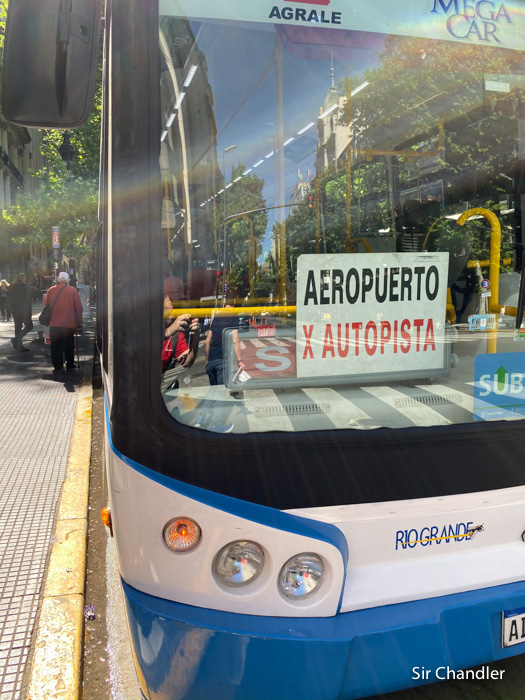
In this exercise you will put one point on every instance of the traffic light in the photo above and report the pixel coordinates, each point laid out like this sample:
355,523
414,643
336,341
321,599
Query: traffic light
310,203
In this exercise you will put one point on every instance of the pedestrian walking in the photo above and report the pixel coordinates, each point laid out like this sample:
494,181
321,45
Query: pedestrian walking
66,317
19,302
4,306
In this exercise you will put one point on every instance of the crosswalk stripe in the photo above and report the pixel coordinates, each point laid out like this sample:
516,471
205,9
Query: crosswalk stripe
263,399
459,398
419,415
342,411
434,404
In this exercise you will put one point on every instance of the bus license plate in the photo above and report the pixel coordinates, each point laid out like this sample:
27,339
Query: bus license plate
513,627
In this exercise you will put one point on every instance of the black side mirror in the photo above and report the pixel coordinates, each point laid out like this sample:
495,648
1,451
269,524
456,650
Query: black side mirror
50,62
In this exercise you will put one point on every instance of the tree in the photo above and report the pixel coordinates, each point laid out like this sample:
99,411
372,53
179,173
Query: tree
420,84
71,206
242,196
423,81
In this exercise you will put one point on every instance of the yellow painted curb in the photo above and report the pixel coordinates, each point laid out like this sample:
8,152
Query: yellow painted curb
56,665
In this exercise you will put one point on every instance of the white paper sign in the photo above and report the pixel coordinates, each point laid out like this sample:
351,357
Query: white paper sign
370,313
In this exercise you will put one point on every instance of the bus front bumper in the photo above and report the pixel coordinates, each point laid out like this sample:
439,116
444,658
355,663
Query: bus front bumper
193,653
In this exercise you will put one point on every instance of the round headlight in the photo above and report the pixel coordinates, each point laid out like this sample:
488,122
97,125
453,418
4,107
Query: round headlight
238,563
182,534
301,576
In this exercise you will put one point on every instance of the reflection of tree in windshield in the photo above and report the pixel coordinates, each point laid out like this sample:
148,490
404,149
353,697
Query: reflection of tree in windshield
422,81
420,84
244,195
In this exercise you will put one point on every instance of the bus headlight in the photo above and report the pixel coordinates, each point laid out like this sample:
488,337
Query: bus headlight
238,563
182,534
301,576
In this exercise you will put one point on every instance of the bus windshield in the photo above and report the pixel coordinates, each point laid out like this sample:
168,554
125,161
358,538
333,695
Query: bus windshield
341,235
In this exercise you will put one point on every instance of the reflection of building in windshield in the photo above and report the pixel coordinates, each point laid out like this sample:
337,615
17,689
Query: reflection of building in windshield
188,151
332,130
300,191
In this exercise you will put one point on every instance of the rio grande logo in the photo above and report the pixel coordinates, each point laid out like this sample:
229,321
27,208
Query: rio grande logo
467,19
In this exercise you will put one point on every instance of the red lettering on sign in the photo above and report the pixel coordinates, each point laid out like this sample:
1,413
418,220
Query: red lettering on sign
357,327
328,345
370,347
429,337
343,352
386,332
308,338
405,323
395,337
418,322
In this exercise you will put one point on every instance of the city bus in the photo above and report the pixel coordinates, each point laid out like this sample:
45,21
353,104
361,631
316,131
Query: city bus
323,493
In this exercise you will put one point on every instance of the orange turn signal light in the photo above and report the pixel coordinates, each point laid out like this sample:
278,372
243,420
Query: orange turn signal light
106,518
182,534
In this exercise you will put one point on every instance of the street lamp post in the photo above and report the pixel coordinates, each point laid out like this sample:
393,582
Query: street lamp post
224,151
67,152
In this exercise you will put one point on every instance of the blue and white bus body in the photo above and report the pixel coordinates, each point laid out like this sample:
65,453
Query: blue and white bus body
418,522
387,613
308,166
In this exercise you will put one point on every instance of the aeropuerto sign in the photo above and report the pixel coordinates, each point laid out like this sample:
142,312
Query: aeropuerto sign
367,314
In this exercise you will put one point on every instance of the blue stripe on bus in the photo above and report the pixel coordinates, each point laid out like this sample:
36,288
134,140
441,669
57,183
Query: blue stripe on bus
271,517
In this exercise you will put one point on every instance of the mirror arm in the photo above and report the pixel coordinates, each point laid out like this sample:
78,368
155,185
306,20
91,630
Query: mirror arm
64,25
63,35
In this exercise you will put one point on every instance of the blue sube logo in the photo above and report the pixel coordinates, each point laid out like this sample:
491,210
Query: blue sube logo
499,386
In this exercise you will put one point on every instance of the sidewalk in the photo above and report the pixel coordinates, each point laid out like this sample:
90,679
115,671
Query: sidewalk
37,415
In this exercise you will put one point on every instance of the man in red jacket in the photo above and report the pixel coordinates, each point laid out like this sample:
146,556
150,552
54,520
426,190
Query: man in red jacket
66,317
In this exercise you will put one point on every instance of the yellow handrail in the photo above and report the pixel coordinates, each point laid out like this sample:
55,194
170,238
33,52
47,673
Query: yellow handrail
494,267
486,263
495,253
450,313
196,312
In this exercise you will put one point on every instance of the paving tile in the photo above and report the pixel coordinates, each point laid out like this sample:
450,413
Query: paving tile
35,436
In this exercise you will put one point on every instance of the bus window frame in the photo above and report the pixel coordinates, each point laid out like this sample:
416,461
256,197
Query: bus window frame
357,466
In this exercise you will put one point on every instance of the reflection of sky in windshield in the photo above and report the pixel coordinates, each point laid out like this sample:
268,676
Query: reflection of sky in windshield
236,57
